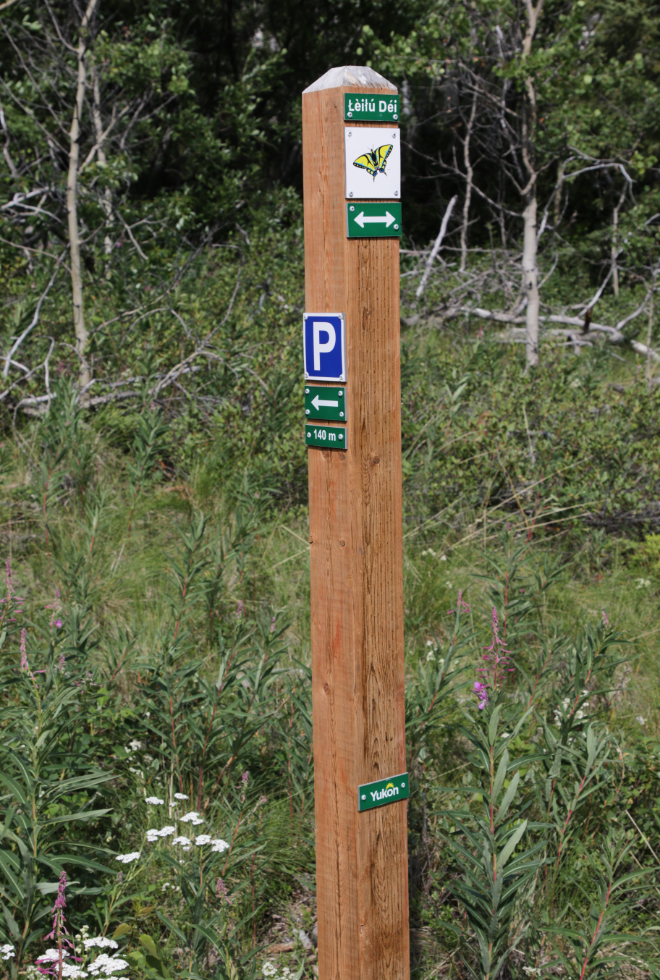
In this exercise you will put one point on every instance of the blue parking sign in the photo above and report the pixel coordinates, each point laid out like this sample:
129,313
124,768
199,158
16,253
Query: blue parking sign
324,345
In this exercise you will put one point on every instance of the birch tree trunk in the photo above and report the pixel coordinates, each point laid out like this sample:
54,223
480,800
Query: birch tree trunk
72,200
530,245
468,187
531,279
615,242
106,200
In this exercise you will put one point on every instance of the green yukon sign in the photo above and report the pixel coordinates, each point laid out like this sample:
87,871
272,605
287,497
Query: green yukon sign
325,436
376,108
383,791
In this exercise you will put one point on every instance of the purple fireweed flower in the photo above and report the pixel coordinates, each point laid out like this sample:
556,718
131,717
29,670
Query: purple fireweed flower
482,693
61,664
221,891
272,625
606,621
24,661
239,610
58,909
57,624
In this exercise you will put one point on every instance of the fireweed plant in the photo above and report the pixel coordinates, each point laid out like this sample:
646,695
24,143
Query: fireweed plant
164,763
539,760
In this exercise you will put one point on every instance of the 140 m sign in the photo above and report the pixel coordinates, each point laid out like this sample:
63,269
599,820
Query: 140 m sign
325,436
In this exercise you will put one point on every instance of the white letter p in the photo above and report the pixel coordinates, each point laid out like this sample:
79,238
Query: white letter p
320,327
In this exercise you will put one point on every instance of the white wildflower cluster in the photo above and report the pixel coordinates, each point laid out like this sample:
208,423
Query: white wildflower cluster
643,583
563,711
202,839
154,801
193,817
102,942
153,833
219,846
271,970
640,719
182,842
7,951
31,972
80,938
135,746
107,966
167,885
181,796
433,554
51,955
128,858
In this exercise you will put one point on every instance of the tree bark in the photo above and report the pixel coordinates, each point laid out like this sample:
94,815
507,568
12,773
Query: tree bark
72,200
530,271
531,279
615,241
468,186
106,200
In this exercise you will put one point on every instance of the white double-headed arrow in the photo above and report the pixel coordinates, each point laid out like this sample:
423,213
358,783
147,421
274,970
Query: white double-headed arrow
383,219
318,402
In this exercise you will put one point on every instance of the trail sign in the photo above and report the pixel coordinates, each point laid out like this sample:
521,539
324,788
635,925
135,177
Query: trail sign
383,791
368,220
325,403
372,156
325,436
324,346
359,107
356,535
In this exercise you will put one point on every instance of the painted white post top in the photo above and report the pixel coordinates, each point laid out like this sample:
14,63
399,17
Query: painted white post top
351,75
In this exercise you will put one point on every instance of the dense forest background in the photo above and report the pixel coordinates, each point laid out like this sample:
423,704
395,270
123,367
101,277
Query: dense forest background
154,624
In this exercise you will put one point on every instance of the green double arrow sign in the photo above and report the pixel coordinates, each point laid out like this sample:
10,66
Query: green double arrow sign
369,220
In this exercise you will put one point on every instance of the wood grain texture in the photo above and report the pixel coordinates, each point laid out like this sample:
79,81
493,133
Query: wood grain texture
356,560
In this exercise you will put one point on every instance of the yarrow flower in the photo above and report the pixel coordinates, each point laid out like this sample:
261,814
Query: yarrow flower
183,841
153,800
220,845
166,831
128,858
193,817
51,955
107,965
100,941
7,951
152,835
181,796
202,839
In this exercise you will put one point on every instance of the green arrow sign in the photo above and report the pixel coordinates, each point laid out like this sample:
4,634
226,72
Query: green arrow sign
383,791
325,403
369,220
326,436
361,107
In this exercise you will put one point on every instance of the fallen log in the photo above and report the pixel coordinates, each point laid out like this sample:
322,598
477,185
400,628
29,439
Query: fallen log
613,335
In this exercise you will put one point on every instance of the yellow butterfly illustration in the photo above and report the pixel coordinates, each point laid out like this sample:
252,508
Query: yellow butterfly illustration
373,161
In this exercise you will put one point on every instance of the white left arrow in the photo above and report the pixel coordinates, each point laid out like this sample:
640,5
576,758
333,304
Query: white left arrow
381,219
317,402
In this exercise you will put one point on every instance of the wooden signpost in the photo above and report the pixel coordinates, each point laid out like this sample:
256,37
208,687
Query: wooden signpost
351,160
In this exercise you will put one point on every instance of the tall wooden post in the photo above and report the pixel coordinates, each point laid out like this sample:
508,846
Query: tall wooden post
356,565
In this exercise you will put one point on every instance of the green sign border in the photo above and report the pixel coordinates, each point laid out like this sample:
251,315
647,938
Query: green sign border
368,789
368,114
317,443
371,209
326,413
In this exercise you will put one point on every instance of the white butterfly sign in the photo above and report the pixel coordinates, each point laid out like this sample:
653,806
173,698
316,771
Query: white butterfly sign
373,162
